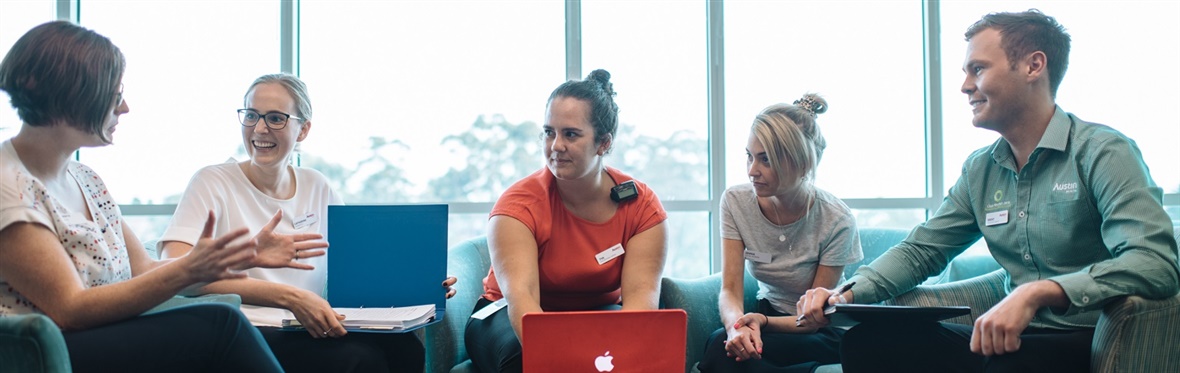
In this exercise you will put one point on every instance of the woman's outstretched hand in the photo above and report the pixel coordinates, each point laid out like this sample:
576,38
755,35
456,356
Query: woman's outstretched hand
284,250
212,259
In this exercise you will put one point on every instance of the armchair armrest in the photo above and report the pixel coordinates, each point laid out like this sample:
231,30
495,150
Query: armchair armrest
698,298
979,293
32,343
444,341
1135,334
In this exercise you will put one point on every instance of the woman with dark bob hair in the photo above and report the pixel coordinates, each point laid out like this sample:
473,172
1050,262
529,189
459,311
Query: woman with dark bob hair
64,250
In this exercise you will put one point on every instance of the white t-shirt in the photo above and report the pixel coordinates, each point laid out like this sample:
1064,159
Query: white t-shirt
825,236
235,202
96,248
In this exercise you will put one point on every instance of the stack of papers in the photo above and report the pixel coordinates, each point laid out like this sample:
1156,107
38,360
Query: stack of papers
395,318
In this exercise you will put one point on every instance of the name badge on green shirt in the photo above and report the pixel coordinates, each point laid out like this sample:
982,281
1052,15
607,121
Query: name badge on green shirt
996,218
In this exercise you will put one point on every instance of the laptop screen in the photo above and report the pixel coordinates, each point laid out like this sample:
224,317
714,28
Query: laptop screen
604,341
387,255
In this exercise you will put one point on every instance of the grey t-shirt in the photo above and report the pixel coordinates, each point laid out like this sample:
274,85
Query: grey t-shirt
825,236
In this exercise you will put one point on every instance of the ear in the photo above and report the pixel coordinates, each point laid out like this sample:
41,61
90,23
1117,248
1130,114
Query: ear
604,146
303,130
1036,64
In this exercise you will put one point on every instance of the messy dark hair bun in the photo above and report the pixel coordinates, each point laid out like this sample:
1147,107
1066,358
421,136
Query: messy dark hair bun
597,91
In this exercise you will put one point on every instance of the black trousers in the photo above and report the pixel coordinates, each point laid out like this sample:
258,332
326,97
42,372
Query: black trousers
196,338
781,352
945,347
357,352
492,344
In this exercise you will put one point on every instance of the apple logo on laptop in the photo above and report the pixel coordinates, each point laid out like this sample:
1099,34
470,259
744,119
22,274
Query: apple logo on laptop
603,362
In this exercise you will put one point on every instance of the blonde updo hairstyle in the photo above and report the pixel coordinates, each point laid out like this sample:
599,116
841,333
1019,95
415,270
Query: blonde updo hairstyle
791,138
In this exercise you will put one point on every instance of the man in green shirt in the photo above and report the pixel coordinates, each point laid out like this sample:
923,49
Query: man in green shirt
1067,207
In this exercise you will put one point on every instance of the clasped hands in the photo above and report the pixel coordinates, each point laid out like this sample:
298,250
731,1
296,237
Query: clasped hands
744,340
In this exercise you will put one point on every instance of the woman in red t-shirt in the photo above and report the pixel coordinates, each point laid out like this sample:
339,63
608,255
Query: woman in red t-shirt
559,240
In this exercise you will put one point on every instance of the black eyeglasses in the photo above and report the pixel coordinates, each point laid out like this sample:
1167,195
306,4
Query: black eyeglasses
274,120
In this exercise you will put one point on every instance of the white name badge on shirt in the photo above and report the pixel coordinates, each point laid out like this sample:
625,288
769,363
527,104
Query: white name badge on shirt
489,309
305,221
757,256
608,254
996,218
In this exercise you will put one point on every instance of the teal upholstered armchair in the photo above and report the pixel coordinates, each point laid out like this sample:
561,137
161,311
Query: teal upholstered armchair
33,343
1133,334
469,261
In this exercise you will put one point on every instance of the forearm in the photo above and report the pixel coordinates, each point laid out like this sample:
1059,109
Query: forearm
256,292
731,307
519,306
642,297
105,304
787,324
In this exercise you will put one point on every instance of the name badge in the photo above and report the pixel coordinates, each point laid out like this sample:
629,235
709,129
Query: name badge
305,221
490,309
757,256
608,254
996,218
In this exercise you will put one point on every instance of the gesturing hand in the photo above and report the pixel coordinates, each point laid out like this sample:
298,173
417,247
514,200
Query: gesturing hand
211,259
282,250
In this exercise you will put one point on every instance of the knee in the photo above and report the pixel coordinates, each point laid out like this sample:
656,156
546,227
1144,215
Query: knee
861,337
714,348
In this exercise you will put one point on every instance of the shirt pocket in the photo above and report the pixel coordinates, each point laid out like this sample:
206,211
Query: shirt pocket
1069,211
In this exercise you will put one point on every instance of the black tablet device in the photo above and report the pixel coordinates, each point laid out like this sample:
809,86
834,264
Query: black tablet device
843,314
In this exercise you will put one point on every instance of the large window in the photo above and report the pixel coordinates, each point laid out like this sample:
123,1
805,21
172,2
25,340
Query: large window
16,18
185,79
442,101
871,77
1119,75
420,101
655,52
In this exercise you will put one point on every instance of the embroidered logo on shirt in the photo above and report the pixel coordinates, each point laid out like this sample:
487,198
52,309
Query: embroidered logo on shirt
1066,187
1000,204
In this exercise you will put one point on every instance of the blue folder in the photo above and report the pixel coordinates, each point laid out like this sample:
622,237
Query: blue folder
387,256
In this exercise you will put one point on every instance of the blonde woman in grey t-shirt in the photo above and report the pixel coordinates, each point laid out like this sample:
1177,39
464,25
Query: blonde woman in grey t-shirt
791,236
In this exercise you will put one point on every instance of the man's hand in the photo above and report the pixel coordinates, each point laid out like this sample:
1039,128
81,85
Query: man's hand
997,332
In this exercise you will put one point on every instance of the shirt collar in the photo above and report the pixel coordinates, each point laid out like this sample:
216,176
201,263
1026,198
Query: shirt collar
1056,137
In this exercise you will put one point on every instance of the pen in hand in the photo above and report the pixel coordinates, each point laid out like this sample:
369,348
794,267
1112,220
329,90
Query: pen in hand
843,289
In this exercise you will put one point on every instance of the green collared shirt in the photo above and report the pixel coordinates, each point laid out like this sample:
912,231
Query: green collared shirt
1083,213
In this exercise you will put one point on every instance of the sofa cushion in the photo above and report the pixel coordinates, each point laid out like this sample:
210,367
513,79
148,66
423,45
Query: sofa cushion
32,343
469,262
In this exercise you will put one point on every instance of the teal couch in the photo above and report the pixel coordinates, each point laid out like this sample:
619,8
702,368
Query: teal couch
469,261
33,343
1133,334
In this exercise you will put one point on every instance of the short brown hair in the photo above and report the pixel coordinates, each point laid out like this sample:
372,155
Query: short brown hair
1026,32
62,72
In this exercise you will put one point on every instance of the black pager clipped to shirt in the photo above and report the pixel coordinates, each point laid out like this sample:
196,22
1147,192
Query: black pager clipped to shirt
625,191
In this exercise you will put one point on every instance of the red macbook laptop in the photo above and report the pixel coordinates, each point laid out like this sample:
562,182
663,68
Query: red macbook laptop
604,341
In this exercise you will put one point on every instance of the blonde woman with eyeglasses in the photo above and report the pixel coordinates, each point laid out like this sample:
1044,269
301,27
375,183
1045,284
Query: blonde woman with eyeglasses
286,205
